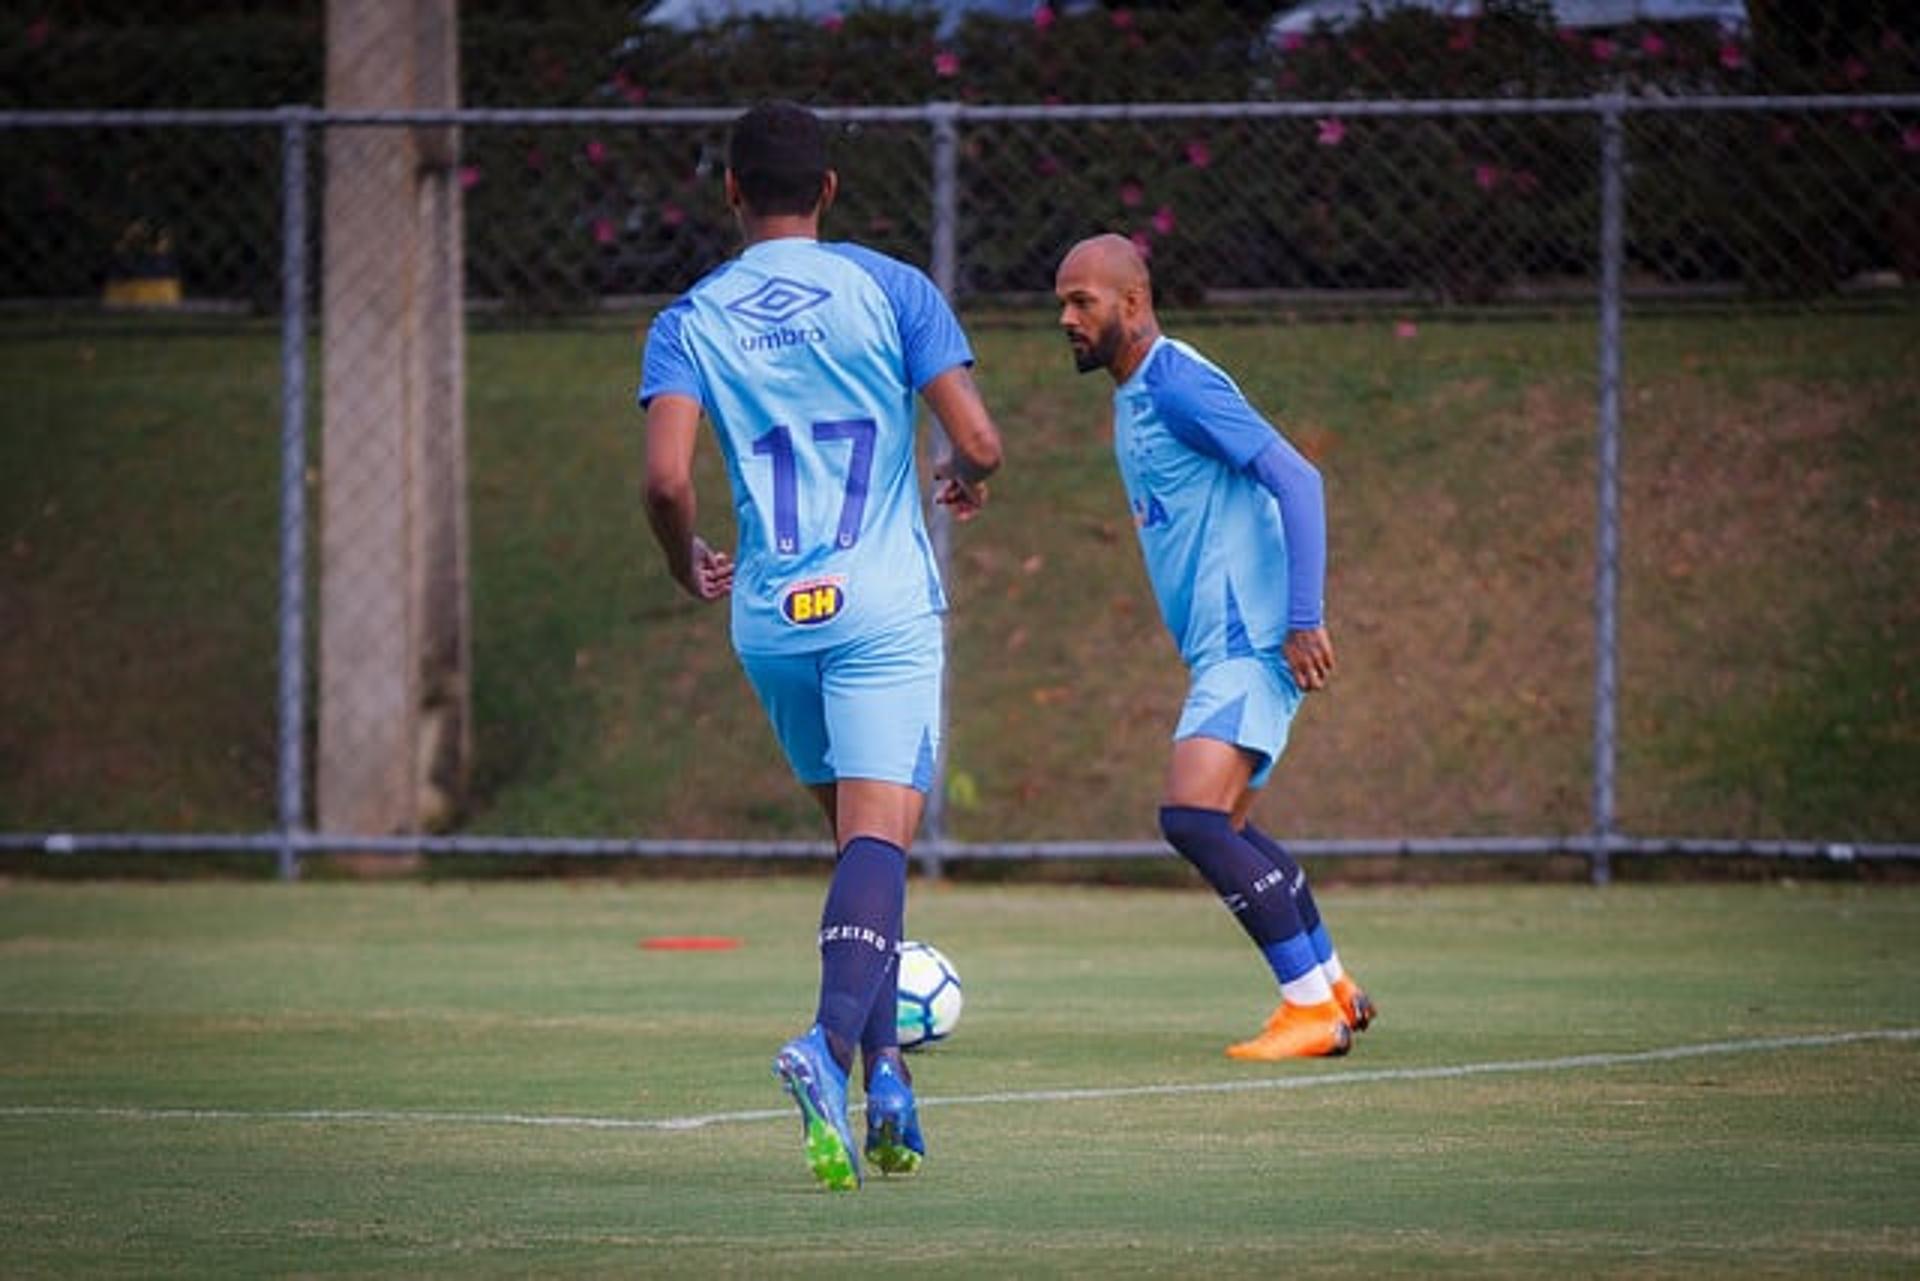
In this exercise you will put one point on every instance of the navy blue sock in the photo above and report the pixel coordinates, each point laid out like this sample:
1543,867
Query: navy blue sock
859,937
882,1029
1247,881
1297,882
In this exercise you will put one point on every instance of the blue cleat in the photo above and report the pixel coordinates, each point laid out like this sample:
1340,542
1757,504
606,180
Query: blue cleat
806,1068
893,1124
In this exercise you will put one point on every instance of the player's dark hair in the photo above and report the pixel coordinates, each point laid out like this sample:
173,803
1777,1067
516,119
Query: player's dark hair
778,154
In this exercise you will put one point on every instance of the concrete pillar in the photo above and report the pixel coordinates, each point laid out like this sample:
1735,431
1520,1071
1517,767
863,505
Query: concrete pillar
395,726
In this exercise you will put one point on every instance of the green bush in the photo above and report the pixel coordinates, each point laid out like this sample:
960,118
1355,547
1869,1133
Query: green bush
1448,207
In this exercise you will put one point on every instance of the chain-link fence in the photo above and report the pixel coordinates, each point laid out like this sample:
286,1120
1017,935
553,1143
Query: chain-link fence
1478,314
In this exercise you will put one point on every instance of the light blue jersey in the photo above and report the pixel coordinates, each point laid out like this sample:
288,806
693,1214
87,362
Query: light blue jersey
1231,518
807,357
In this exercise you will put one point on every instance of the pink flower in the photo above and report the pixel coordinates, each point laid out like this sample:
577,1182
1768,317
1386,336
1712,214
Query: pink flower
1732,56
1603,49
469,177
1122,19
1861,121
672,215
1131,193
1462,38
1329,132
603,231
1910,138
1783,135
1047,166
1043,17
1292,42
596,152
1524,181
1163,220
946,64
536,158
38,30
1568,36
1143,243
1652,45
1486,176
832,22
1199,155
1854,69
1404,328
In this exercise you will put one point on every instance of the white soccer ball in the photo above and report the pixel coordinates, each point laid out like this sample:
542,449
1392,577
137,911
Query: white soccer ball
929,995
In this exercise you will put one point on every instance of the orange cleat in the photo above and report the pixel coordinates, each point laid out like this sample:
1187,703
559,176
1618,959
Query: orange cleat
1298,1032
1354,1003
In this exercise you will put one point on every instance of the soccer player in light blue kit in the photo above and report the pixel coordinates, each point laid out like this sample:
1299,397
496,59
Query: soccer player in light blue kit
806,357
1232,525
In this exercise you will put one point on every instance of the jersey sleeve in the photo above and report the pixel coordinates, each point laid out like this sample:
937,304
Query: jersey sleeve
1295,484
666,365
930,334
1201,406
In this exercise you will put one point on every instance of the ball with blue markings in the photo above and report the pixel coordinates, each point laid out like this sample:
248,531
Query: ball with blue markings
929,995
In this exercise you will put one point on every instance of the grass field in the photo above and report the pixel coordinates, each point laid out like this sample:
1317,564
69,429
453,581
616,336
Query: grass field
491,1079
1770,638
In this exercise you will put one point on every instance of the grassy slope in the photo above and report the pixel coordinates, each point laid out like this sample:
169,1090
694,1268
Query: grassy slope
1768,647
489,999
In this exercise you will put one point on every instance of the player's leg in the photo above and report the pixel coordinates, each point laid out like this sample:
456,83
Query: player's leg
1354,1001
883,720
1231,730
809,1068
894,1143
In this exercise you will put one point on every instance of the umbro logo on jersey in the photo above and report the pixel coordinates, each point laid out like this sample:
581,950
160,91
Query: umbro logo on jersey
778,300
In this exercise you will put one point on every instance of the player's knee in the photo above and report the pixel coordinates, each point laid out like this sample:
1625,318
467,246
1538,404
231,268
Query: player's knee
1188,829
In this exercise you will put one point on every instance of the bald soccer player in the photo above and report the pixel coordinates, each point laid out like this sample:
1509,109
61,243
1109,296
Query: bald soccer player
1232,526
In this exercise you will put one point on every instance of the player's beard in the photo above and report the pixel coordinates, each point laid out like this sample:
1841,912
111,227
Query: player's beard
1100,353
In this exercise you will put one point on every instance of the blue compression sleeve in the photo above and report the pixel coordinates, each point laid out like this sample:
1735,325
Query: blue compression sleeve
1295,485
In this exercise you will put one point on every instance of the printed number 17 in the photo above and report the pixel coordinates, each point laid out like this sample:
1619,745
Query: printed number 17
777,445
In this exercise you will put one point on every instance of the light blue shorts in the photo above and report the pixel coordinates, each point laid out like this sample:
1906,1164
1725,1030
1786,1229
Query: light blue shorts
1249,702
868,708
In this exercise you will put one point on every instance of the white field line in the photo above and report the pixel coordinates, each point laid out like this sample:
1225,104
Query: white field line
1326,1080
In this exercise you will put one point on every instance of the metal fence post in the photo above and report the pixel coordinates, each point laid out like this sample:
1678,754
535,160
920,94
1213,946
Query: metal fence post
1606,578
943,119
293,485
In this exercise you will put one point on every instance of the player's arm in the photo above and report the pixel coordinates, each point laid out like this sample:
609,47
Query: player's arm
1295,484
673,424
1204,409
976,454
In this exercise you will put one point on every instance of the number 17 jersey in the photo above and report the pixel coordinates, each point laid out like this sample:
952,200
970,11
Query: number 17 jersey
807,358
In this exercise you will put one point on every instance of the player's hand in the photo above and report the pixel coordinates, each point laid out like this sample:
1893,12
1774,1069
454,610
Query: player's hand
966,498
711,572
1309,654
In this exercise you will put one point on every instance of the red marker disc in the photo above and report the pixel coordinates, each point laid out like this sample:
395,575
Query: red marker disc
690,943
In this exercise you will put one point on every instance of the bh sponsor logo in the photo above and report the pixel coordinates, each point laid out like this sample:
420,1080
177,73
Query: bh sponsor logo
814,602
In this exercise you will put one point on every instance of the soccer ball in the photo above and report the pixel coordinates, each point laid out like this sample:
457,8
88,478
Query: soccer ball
929,995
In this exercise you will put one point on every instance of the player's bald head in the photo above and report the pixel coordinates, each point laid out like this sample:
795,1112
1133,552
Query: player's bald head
1108,262
1106,304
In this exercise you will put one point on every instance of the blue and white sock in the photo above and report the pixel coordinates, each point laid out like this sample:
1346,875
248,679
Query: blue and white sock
1310,918
859,938
1256,891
